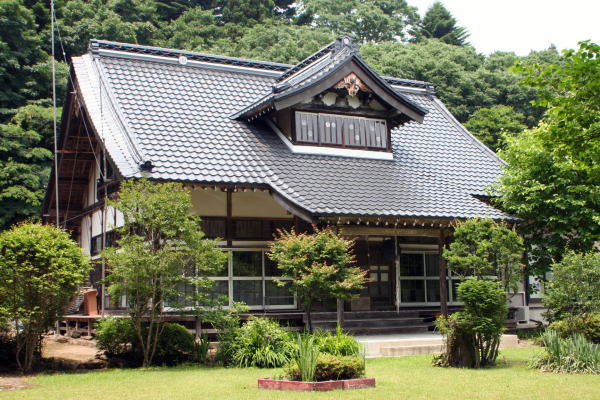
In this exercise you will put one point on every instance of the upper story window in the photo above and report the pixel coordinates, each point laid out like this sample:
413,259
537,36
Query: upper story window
341,130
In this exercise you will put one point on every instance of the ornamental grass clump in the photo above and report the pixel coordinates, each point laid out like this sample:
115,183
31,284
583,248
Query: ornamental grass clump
263,343
572,355
307,357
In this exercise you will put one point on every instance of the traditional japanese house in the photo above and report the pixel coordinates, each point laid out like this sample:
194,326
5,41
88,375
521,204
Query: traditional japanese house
264,146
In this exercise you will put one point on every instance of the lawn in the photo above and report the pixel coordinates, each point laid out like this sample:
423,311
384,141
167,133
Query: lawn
403,378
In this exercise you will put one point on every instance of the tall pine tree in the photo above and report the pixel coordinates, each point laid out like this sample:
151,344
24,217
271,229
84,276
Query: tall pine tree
438,23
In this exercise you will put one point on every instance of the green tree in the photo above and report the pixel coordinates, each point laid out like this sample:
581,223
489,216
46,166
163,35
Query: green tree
20,49
438,23
319,265
41,268
275,41
574,289
161,249
246,12
455,71
484,248
552,180
124,21
365,20
24,168
196,29
473,335
493,125
465,80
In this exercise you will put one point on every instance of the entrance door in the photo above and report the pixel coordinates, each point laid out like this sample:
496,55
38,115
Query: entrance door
380,287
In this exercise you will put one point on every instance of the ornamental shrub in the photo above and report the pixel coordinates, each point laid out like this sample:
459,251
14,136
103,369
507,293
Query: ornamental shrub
574,354
175,345
263,343
41,268
228,328
330,368
114,335
484,248
320,265
586,324
575,286
117,337
473,335
338,343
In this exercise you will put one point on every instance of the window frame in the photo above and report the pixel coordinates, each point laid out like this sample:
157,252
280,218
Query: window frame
230,278
450,279
343,145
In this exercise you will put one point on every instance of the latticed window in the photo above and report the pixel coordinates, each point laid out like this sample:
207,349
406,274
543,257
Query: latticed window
341,130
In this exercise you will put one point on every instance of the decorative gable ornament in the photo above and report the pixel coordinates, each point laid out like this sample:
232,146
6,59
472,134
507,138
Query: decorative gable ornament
352,84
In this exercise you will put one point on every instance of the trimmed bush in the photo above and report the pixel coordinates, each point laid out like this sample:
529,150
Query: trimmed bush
114,335
473,335
263,343
338,343
176,345
572,355
587,325
331,368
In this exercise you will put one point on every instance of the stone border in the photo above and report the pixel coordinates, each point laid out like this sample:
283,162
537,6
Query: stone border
280,384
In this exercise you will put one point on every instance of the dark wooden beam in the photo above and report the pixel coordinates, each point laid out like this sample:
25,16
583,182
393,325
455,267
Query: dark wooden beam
87,156
229,222
69,151
74,181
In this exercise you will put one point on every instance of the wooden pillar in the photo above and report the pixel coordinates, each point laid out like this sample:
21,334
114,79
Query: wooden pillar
229,222
443,274
198,328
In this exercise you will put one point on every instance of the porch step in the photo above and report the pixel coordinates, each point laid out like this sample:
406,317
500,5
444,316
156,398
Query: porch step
387,330
400,351
369,322
375,322
414,343
349,315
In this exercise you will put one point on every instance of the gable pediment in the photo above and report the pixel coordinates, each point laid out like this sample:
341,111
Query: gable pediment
338,66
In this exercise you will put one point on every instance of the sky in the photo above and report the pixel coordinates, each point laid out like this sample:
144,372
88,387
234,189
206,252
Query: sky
523,25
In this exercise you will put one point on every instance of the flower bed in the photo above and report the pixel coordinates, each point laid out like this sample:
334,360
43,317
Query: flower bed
281,384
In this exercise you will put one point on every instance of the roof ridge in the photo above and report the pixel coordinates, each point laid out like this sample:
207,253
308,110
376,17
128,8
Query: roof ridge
287,69
96,45
308,60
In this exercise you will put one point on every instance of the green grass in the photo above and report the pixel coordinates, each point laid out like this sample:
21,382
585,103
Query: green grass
403,378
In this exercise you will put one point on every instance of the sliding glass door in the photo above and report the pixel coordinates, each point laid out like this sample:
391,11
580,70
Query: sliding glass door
420,278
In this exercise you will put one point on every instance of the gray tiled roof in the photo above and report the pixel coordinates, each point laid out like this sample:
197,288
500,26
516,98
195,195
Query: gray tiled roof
178,117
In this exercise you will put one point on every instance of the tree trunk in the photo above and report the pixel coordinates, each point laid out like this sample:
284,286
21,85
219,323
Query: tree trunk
25,351
309,316
340,313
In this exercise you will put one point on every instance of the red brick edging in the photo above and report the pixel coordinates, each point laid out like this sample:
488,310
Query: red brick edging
279,384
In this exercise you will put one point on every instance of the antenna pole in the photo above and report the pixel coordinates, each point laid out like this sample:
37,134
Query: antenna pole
54,112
